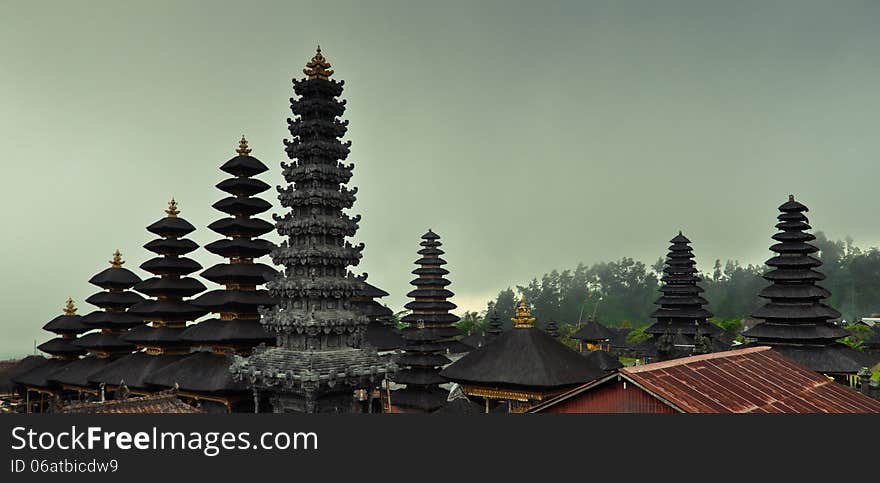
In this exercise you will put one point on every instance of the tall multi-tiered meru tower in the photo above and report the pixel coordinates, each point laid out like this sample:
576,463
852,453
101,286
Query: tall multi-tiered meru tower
319,360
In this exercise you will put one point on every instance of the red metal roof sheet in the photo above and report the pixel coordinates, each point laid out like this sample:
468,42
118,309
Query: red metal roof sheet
751,380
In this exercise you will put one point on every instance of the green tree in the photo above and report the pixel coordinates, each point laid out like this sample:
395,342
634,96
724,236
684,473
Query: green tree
472,323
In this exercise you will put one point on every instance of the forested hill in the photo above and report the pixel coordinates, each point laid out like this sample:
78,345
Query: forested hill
623,292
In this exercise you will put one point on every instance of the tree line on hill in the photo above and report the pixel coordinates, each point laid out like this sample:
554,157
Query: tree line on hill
622,293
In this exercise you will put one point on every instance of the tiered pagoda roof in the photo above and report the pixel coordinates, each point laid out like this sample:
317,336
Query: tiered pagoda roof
67,326
493,330
603,360
381,332
167,311
113,320
552,329
237,329
682,320
429,326
523,360
318,360
796,321
62,350
104,345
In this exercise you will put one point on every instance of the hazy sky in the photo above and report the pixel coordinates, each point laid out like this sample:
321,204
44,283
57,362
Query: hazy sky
529,135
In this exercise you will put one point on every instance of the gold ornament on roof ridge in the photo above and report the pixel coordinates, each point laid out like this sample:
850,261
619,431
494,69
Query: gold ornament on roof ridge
523,318
69,308
117,261
172,210
318,67
243,149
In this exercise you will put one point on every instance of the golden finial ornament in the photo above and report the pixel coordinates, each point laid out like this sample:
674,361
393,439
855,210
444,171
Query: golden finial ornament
318,67
243,149
69,308
523,318
117,261
172,210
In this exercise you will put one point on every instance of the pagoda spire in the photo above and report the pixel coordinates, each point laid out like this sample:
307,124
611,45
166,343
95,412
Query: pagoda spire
682,309
116,261
552,329
496,328
69,307
429,326
318,67
318,361
243,149
523,318
172,210
796,321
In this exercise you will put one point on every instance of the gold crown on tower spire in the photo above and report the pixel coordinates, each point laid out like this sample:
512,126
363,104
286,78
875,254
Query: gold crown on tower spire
69,308
243,149
318,67
172,210
523,318
117,261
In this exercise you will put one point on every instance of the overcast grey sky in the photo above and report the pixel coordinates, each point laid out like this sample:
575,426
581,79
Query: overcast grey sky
529,135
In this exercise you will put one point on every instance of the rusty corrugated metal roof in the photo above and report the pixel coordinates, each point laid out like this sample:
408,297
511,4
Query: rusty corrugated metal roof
751,380
159,403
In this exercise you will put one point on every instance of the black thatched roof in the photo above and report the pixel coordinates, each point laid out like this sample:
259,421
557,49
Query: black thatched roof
474,340
592,330
202,372
244,166
132,369
115,278
240,247
242,186
603,360
120,320
67,324
461,406
235,227
149,336
167,310
523,357
235,301
240,273
171,227
383,337
36,376
10,370
100,341
834,358
77,372
217,331
114,300
171,246
372,291
61,346
619,334
169,266
427,399
454,347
